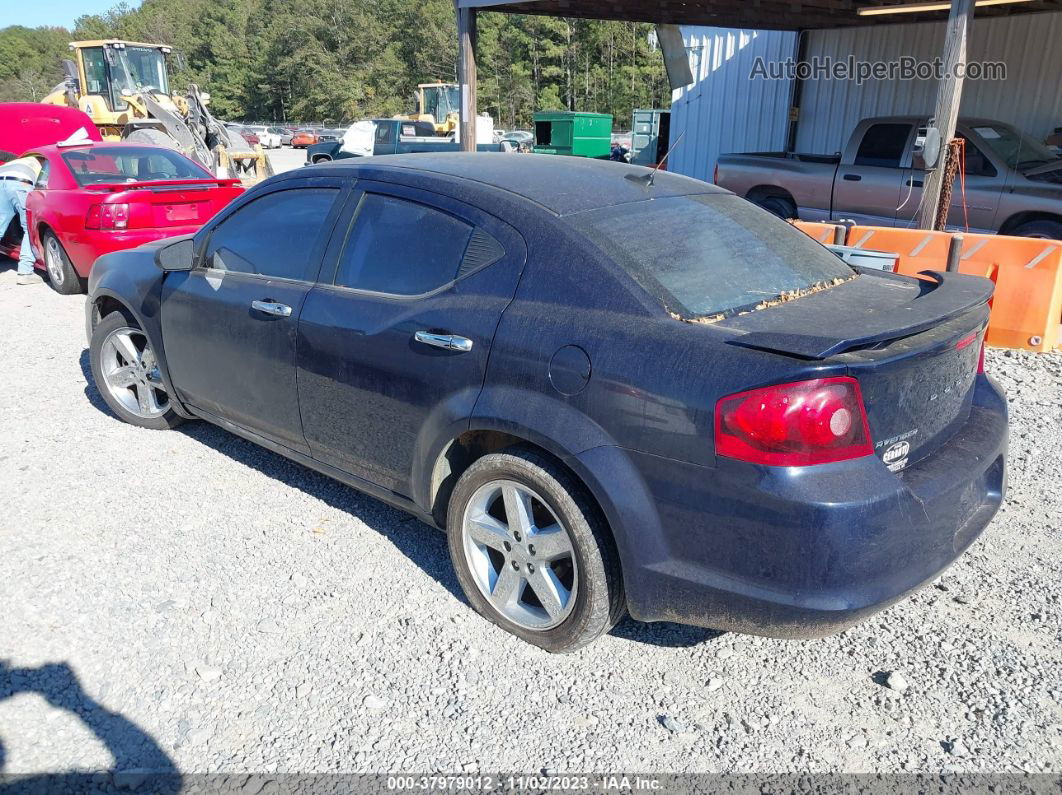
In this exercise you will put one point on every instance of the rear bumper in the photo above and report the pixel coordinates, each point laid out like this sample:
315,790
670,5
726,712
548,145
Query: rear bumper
803,552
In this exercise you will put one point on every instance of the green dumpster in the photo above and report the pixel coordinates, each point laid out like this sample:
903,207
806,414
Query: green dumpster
562,132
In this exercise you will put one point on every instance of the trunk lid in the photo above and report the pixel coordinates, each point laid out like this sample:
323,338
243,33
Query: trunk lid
913,345
180,203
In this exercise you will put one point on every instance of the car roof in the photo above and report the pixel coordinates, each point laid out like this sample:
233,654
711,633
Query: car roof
561,184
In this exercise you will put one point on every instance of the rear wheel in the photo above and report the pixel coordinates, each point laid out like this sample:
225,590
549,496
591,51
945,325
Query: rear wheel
61,274
126,373
779,206
321,158
532,553
1043,229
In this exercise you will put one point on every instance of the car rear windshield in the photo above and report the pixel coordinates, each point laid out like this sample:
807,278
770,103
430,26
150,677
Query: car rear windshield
130,164
711,255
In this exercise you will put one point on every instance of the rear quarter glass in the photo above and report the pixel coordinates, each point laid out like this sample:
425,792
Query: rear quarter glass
709,255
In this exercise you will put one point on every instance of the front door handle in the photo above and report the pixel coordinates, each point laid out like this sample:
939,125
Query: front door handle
852,177
449,342
272,308
914,183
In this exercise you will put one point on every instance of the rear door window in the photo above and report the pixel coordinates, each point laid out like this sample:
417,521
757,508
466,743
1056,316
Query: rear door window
883,145
274,235
710,255
401,247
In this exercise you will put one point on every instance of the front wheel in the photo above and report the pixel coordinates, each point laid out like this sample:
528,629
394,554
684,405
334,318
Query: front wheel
532,553
126,373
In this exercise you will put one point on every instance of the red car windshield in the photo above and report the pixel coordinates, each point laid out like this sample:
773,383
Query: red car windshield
130,164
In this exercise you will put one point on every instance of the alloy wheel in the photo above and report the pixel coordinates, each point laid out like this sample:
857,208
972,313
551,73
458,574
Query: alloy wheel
131,373
53,260
520,555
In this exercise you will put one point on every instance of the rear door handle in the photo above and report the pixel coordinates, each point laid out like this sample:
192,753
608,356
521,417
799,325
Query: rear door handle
272,308
914,183
449,342
852,177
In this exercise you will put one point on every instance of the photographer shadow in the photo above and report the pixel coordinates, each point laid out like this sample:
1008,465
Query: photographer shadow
139,762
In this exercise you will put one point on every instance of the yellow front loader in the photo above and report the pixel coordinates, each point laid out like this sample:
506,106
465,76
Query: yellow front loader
438,103
124,87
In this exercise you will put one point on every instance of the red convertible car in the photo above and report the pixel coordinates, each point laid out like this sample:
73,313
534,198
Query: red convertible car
26,125
92,199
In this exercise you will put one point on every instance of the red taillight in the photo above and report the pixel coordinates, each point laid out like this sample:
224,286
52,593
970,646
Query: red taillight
965,342
798,424
107,216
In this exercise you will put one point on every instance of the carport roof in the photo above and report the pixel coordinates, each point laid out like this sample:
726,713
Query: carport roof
757,14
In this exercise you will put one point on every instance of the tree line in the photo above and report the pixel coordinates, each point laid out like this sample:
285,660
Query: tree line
336,61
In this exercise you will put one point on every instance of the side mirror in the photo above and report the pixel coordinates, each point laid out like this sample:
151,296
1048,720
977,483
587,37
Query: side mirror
177,256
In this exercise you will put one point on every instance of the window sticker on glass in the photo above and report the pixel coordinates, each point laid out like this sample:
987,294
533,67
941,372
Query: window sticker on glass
988,133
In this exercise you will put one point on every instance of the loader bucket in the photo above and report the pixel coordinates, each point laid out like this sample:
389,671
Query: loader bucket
188,142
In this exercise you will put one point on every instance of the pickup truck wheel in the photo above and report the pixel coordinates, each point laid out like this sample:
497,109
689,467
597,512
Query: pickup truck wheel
321,158
1045,228
61,274
126,373
532,553
783,208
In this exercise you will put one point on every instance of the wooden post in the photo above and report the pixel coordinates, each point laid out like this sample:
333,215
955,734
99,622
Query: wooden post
949,94
466,76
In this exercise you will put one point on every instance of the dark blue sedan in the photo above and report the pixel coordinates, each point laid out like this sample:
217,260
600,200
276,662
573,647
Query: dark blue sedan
615,392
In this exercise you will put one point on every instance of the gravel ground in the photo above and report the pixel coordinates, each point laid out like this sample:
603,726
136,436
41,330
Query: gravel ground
187,598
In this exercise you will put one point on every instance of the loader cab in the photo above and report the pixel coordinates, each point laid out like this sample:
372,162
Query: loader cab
110,72
441,101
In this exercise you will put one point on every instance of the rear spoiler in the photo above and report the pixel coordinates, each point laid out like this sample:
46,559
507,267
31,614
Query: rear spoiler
872,308
168,184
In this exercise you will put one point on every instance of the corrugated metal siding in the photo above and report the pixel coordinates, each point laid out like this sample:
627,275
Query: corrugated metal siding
723,110
1030,98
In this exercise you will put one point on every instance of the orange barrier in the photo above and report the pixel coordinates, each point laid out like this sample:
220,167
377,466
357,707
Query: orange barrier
916,249
824,233
1027,305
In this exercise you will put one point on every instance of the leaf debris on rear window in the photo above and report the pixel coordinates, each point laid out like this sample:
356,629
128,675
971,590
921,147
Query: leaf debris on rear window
782,298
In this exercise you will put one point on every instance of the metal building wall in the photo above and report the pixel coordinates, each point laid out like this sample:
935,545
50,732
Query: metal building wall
1030,98
723,110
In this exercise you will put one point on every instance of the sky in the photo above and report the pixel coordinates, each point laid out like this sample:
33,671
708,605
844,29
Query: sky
51,12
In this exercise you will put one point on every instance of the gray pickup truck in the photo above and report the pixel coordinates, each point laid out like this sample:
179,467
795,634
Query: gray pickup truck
1013,183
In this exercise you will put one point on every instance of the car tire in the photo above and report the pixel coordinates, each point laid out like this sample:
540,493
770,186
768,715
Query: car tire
150,135
126,374
321,159
587,570
61,274
779,206
1044,228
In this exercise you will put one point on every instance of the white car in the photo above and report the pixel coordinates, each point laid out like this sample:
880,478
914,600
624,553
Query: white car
269,136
